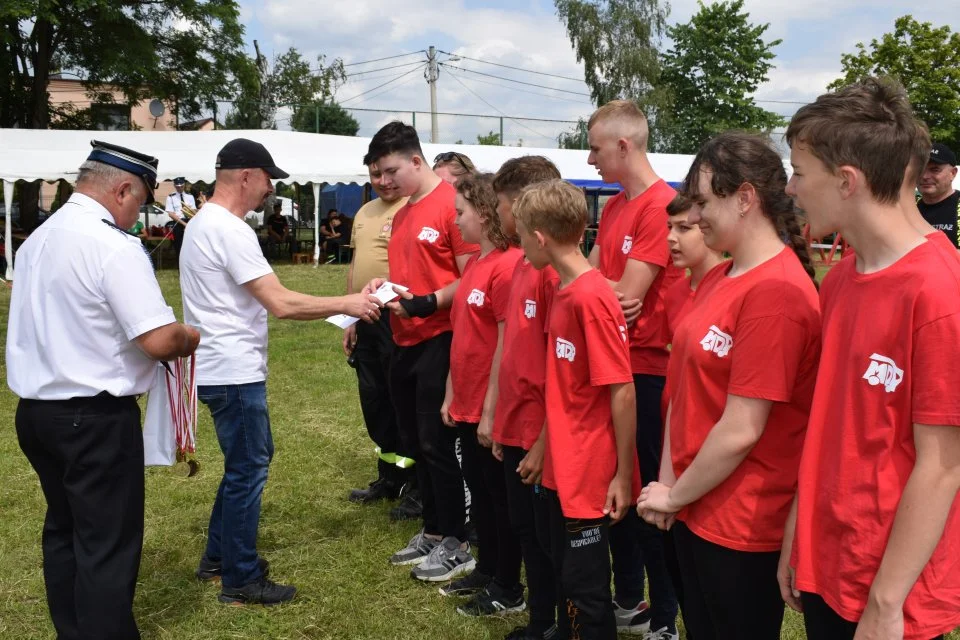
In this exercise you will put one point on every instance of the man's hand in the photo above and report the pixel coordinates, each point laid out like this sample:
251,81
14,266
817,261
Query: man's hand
531,467
497,451
656,506
191,341
618,497
349,339
879,623
485,432
361,305
787,579
662,521
372,286
631,308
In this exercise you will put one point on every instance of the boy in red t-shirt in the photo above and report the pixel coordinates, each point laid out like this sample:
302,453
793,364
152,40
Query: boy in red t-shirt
874,536
519,432
632,254
590,467
427,254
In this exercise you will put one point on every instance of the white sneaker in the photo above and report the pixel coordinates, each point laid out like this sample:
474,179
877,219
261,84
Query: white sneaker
661,634
632,621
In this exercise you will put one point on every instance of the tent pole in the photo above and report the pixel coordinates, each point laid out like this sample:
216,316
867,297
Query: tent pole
8,227
316,224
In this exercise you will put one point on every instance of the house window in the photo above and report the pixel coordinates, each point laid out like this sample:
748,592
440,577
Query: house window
110,117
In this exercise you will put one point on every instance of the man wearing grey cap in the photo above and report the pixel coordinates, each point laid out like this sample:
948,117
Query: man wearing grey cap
228,288
87,324
939,202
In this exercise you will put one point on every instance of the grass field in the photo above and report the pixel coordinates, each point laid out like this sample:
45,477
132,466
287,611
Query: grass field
333,551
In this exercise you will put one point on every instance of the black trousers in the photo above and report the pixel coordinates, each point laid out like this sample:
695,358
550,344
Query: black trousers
499,550
728,594
634,544
371,358
580,550
823,623
418,383
522,503
88,454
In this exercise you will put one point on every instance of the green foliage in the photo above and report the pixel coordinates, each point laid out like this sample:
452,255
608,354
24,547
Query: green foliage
617,42
926,60
290,82
576,138
331,118
717,61
491,139
184,52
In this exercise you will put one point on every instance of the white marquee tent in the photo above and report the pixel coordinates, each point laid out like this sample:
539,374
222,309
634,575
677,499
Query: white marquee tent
32,154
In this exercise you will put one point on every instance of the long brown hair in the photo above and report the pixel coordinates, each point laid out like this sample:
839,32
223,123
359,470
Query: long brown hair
477,189
735,159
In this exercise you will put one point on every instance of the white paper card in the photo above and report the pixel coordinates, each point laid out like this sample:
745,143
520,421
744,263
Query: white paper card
384,294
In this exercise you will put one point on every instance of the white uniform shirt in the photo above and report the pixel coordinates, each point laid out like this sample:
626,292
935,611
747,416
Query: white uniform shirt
175,202
220,253
83,292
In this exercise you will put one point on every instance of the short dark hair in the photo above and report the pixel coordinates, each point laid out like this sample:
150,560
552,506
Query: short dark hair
393,137
517,173
679,204
869,125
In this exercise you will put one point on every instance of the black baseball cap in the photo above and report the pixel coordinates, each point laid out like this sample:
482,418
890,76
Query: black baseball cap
942,154
247,154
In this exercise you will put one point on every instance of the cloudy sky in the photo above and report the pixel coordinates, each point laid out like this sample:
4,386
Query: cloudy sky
528,34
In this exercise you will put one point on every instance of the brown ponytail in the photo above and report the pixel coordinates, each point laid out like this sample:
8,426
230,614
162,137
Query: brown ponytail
736,158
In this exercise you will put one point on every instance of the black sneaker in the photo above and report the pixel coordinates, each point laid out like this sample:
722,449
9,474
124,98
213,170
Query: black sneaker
472,583
379,489
262,591
494,601
524,633
410,507
210,570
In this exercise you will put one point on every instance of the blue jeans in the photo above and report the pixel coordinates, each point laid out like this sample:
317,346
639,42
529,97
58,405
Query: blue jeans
243,430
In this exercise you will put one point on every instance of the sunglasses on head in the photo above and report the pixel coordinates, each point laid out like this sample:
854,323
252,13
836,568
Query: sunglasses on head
450,156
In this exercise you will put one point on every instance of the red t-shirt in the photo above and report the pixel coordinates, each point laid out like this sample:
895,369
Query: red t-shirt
891,341
676,304
756,335
637,230
478,305
520,406
587,352
422,254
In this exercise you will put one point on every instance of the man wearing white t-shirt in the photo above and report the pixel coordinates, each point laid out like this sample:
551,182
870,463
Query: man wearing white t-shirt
228,288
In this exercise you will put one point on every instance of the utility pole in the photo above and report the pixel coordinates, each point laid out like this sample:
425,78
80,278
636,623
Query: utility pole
431,74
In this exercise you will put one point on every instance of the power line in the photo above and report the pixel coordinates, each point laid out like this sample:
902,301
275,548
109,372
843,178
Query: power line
396,66
464,115
400,55
533,93
506,66
388,89
383,85
529,84
480,98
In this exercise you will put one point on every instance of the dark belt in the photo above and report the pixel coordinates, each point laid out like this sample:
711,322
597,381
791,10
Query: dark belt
102,400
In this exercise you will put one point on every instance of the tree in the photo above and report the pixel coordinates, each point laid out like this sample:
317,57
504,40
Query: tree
325,117
180,51
926,60
291,82
617,41
717,61
490,139
575,138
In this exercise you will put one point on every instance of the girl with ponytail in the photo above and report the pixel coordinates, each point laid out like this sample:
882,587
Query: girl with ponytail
742,374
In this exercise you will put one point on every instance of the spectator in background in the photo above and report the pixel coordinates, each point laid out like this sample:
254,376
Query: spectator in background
176,202
332,232
939,202
450,166
278,229
138,229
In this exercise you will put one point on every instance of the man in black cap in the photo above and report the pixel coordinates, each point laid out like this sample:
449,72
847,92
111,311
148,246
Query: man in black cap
228,288
939,202
87,324
176,202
